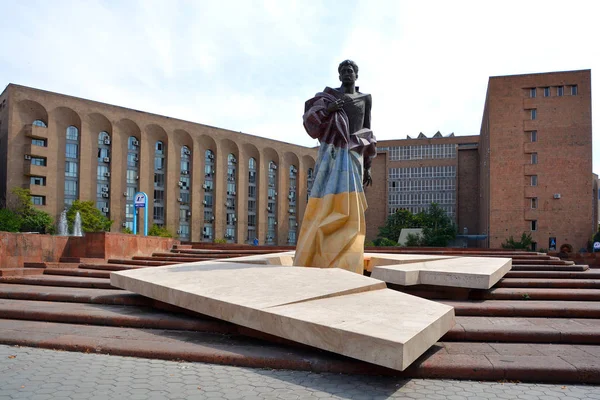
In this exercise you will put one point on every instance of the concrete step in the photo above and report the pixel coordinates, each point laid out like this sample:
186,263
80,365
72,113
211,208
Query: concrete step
13,272
145,263
110,267
90,273
181,255
179,260
445,360
110,315
530,267
525,330
528,308
242,252
564,294
548,283
49,264
587,274
66,281
79,260
72,295
517,261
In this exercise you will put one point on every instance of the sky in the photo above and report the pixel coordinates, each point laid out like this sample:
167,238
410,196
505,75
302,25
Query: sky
249,65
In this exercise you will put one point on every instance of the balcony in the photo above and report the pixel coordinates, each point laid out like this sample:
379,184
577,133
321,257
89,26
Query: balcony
530,125
35,151
37,190
35,170
35,131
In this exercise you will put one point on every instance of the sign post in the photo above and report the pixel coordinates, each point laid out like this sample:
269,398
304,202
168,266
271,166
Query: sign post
140,200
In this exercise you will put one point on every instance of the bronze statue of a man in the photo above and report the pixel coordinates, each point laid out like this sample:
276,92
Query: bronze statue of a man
333,228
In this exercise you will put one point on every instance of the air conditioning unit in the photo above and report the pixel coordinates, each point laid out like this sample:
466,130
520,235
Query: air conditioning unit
104,209
137,177
188,213
233,161
205,202
557,195
105,195
233,193
211,156
180,184
106,159
136,159
275,193
275,223
27,157
296,224
135,142
187,152
294,170
178,231
107,174
185,172
179,199
124,194
212,218
205,186
106,141
105,189
124,224
234,220
291,211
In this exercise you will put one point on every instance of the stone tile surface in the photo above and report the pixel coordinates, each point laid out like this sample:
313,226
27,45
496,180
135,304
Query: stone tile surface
28,373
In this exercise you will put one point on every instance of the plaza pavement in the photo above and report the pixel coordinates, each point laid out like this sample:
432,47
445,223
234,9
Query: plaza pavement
38,374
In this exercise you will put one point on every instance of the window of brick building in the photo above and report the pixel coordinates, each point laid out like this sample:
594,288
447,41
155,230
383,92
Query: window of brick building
532,93
546,92
534,158
573,90
560,90
534,203
533,136
533,113
38,200
534,180
534,224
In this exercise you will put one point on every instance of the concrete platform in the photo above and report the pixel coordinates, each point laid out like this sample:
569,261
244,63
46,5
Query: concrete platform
330,309
464,272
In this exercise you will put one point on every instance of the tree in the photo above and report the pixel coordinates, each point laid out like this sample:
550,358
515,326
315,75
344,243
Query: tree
161,231
9,221
32,219
384,242
92,219
438,228
395,223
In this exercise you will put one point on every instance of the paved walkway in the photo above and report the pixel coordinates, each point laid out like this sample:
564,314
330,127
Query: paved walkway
37,374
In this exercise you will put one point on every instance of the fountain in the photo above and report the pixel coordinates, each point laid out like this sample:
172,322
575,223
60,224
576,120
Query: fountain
63,229
77,225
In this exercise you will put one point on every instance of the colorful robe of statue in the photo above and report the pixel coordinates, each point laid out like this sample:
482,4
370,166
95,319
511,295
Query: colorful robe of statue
333,228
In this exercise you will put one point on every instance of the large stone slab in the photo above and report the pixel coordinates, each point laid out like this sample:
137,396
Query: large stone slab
464,272
331,309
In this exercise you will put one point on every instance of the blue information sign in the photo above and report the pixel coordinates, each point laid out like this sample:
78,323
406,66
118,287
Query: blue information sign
140,200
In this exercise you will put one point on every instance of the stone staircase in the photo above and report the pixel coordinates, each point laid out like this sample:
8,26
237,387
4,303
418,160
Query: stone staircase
541,322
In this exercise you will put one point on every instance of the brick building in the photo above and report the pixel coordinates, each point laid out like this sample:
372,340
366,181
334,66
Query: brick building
529,170
204,183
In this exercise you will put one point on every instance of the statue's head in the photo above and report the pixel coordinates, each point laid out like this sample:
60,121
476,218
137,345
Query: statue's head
348,71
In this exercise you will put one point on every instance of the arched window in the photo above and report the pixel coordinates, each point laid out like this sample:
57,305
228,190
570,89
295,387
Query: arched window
159,184
184,193
272,204
40,123
71,166
133,176
103,173
231,199
252,198
292,222
208,186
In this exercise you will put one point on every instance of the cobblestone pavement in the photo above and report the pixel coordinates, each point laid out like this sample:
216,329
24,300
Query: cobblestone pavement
37,374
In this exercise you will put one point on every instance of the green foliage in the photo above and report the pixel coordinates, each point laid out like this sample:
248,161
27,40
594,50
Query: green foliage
92,219
384,242
127,230
220,241
369,244
524,243
414,240
9,221
31,219
438,228
396,222
161,231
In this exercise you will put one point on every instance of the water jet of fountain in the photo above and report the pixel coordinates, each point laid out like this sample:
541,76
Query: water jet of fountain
63,229
77,225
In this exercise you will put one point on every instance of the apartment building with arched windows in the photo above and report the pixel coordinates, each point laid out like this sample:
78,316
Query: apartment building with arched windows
203,183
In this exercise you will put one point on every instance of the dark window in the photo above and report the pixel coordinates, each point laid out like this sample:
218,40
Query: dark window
38,161
532,92
533,136
37,180
560,90
574,90
39,142
546,92
38,200
534,203
533,113
40,123
534,225
534,180
534,158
